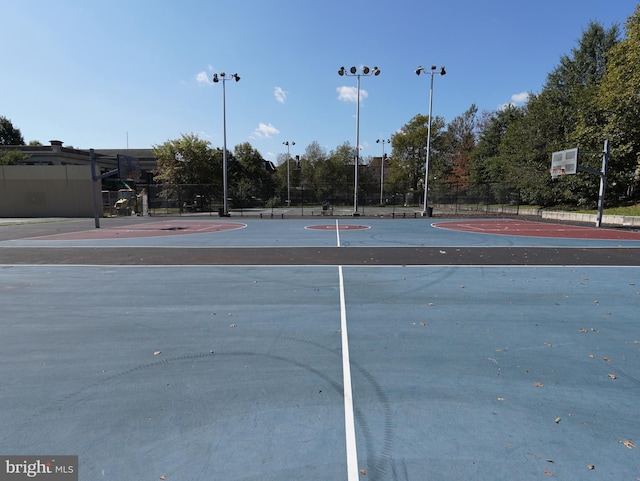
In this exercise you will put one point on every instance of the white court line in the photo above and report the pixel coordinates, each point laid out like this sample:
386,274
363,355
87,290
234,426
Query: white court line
338,232
349,419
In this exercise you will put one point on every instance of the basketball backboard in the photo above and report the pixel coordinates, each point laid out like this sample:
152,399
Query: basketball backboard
564,162
128,167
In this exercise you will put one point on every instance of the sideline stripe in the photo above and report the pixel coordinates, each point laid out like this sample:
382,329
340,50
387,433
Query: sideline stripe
338,232
349,419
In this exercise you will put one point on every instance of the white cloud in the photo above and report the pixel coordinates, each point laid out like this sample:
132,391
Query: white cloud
265,131
350,94
516,100
520,98
202,78
280,94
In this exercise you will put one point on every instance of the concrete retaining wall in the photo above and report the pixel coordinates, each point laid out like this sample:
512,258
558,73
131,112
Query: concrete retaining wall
621,220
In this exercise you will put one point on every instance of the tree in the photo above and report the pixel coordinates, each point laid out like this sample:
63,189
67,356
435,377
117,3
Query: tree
12,157
187,160
9,135
570,95
406,170
486,164
618,101
251,178
550,122
310,182
460,143
335,176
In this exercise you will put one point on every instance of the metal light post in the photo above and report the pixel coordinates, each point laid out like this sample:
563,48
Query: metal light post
287,143
217,78
420,69
382,167
353,72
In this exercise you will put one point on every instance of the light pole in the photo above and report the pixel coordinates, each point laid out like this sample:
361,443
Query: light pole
420,69
353,72
382,167
216,78
287,143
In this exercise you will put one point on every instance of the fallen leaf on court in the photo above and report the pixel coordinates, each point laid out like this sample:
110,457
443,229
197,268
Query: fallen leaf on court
627,443
538,384
422,324
591,356
606,359
583,330
557,421
157,353
596,301
363,472
550,460
500,399
612,376
163,477
591,467
548,473
232,325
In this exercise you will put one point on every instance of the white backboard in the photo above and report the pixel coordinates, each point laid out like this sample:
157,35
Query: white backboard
564,162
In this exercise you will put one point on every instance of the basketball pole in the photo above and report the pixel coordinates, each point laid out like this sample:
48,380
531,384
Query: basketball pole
603,182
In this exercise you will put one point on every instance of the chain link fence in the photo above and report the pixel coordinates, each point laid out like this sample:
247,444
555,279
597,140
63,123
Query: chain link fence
326,200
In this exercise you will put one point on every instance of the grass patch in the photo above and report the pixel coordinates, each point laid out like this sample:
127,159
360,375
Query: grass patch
630,210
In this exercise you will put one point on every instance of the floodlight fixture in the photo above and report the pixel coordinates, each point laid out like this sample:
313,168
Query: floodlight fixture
382,167
217,78
287,143
426,211
365,71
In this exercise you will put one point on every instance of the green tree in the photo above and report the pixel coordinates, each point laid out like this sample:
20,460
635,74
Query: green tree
409,149
311,182
251,178
9,135
187,160
618,102
12,157
486,164
335,176
550,122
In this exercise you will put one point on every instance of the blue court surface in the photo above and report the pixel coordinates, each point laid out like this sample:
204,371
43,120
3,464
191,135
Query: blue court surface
321,372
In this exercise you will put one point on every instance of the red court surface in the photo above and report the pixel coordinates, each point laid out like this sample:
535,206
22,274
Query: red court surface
537,229
151,229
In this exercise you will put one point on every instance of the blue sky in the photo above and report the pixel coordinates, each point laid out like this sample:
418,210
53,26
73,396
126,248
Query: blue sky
118,73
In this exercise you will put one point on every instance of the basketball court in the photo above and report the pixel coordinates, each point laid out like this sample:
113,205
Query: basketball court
322,349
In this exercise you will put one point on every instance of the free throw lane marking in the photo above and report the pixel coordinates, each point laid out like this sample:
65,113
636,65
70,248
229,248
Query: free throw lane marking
537,229
349,419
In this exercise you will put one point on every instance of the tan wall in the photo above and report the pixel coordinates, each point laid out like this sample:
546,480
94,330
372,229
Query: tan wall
46,191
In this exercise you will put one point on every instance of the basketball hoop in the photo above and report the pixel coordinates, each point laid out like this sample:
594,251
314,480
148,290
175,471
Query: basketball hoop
557,172
564,162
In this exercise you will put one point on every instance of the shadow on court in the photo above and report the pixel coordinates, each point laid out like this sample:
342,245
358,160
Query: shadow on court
206,362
